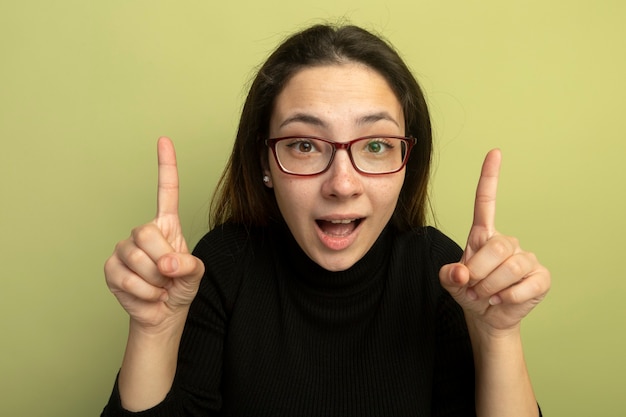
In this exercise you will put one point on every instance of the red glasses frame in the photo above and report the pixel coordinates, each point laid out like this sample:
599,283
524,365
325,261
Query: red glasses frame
409,140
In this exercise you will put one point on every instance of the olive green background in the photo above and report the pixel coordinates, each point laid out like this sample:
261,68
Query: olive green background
87,87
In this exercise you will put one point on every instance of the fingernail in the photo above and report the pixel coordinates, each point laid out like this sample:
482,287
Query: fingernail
471,294
170,264
495,300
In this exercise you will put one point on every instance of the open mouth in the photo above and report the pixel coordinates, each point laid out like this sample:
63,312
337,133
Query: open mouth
338,228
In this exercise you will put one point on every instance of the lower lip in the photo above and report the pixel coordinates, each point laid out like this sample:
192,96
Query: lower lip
338,243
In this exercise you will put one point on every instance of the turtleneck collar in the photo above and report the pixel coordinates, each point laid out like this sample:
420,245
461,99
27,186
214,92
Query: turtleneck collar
349,281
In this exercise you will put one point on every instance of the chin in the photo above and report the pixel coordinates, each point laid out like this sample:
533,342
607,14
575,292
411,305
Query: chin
335,262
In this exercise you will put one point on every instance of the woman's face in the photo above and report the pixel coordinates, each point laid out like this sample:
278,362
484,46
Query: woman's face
336,216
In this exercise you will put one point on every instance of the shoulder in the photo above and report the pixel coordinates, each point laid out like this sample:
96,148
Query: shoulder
229,248
227,252
224,241
430,244
417,256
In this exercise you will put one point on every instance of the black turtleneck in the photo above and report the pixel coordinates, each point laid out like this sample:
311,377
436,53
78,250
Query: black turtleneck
271,333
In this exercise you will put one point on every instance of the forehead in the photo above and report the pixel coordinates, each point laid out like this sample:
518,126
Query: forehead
336,91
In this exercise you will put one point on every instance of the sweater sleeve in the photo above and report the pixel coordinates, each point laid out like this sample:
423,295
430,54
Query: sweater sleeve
196,387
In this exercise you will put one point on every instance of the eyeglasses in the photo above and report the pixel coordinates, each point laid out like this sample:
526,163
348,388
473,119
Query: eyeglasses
371,155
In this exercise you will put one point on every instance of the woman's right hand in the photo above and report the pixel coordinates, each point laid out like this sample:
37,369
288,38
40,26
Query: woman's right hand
152,273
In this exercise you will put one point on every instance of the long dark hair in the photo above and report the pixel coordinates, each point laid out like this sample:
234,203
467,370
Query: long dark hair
241,197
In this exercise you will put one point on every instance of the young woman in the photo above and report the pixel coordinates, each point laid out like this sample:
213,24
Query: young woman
320,291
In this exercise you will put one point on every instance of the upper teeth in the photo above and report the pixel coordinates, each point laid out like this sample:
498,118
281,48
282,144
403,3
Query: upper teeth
344,221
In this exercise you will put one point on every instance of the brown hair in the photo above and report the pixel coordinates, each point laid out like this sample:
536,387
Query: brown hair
241,197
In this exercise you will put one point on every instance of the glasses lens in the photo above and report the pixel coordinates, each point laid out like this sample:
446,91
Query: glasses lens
379,155
303,156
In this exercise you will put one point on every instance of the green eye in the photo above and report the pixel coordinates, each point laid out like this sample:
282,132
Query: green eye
374,147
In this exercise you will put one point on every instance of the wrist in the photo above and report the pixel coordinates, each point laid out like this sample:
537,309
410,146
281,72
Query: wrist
502,382
479,325
488,340
150,362
166,328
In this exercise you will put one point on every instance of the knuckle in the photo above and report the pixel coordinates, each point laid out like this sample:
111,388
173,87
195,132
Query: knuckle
109,265
126,284
483,290
119,247
516,268
129,284
486,287
135,232
142,234
546,281
530,289
535,289
135,256
515,297
501,247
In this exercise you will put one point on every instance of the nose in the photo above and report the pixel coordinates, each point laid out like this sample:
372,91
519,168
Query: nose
342,180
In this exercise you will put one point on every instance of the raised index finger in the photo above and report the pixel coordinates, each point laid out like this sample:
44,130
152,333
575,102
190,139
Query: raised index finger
167,193
485,203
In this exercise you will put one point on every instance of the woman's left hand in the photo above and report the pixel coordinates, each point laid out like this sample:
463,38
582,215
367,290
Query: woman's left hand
496,282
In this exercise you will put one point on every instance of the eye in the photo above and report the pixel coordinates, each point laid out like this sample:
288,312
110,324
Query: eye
374,147
378,145
302,145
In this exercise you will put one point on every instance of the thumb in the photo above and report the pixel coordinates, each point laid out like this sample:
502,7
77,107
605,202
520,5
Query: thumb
175,264
454,278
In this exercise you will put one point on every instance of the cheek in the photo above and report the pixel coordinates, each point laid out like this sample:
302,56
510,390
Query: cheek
294,197
386,194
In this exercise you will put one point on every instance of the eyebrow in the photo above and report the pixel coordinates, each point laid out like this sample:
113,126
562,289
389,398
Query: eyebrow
303,118
373,118
316,121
